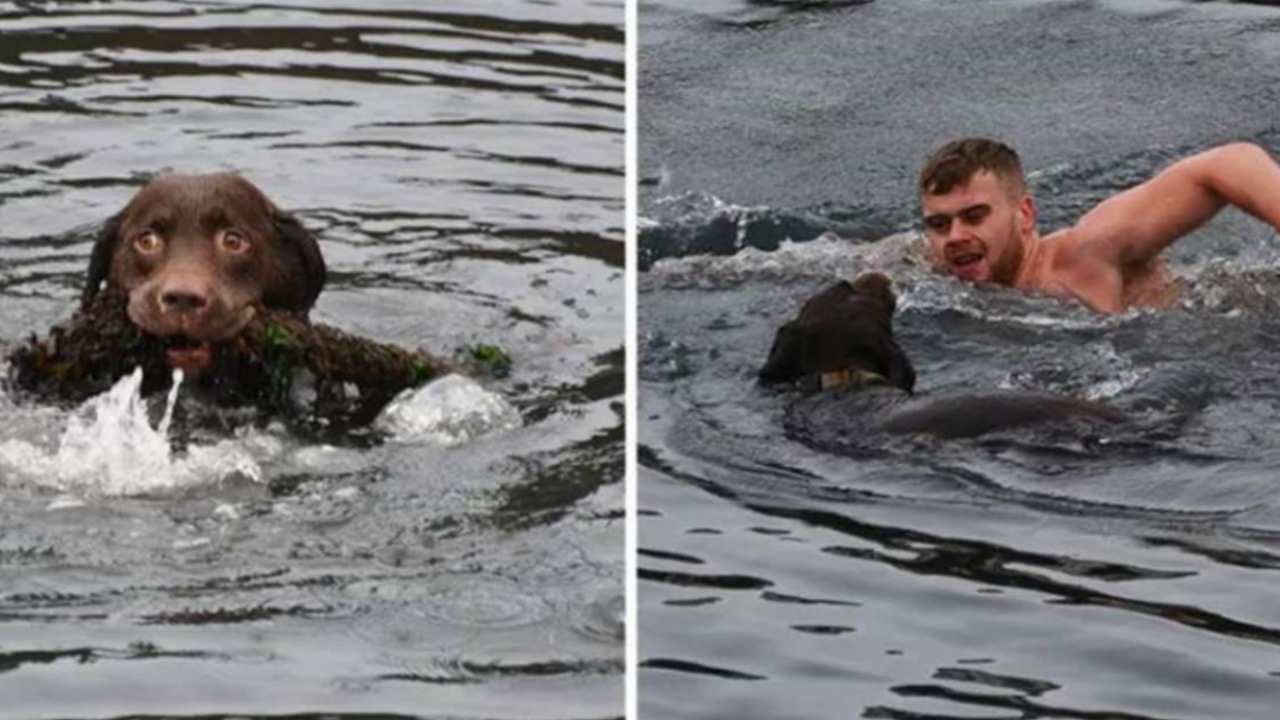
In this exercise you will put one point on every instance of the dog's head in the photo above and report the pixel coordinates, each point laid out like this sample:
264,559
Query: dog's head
195,254
843,336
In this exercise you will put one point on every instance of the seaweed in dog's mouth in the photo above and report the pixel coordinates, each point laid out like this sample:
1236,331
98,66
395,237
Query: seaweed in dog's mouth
185,353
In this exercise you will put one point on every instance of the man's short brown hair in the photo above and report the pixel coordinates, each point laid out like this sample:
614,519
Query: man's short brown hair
957,161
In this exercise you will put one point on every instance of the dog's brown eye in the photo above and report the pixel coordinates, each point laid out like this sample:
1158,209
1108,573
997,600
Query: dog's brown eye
147,242
234,242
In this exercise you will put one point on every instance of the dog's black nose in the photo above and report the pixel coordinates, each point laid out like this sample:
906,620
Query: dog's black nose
183,301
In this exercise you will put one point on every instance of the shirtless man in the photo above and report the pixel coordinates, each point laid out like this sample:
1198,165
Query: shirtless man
980,222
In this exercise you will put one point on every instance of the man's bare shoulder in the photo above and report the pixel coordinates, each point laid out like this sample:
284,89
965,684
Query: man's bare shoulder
1076,247
1065,249
1071,265
1062,261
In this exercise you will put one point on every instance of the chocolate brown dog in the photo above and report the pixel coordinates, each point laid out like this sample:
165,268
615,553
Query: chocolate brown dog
195,254
843,336
842,345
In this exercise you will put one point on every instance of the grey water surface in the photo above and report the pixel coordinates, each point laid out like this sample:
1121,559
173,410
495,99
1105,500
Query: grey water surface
1046,573
462,165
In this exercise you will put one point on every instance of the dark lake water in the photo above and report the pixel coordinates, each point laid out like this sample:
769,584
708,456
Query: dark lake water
1031,574
463,167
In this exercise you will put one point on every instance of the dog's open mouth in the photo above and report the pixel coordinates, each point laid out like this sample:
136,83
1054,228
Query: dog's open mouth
187,354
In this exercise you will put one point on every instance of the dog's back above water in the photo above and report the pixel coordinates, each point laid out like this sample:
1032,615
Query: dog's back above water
841,350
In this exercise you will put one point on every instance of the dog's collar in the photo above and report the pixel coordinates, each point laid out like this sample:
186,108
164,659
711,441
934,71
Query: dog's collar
844,378
851,377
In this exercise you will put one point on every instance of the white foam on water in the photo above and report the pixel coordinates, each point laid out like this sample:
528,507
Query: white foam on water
447,412
109,448
824,256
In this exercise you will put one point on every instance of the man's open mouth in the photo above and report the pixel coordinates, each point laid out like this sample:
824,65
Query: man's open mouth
187,354
963,259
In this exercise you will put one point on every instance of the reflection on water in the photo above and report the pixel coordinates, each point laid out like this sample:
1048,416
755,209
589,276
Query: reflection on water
462,166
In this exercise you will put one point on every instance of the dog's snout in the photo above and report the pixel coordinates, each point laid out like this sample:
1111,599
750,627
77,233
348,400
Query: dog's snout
183,300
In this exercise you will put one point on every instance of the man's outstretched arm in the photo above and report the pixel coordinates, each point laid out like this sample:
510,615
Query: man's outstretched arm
1137,224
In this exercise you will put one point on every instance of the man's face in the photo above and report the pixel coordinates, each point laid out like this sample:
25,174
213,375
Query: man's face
975,230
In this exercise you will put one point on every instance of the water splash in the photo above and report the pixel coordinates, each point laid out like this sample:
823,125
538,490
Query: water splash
109,448
450,411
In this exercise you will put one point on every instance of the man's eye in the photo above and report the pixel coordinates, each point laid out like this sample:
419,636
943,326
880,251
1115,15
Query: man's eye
937,224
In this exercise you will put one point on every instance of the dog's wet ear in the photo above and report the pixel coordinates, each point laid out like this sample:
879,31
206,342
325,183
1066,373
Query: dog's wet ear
301,265
901,373
876,285
785,356
100,257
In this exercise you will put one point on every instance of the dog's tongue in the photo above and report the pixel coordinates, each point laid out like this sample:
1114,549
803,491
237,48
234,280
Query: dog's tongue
191,359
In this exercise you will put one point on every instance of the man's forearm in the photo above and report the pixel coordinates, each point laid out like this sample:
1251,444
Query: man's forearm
1244,175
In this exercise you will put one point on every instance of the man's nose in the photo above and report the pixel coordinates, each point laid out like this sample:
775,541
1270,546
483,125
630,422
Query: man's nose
958,231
